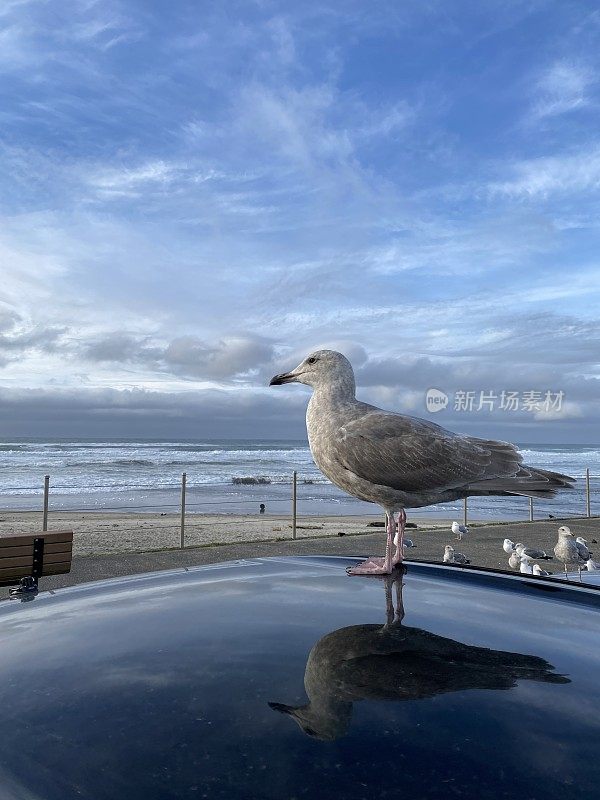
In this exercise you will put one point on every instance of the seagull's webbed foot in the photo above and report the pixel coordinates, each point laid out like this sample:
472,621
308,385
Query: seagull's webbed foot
372,566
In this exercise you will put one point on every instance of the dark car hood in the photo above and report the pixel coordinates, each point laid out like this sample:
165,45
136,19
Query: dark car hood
284,677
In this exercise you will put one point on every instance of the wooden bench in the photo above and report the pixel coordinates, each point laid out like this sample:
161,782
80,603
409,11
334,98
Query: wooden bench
28,556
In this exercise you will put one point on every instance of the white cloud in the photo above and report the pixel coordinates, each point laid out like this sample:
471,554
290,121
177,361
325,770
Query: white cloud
552,175
563,88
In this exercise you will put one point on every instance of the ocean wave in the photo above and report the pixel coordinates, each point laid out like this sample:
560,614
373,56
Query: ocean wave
116,462
250,481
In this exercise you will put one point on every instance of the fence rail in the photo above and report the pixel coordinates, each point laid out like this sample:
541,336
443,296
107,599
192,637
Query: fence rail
184,506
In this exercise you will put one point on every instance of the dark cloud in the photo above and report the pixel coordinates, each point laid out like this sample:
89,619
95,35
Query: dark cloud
18,337
140,413
120,347
186,356
230,357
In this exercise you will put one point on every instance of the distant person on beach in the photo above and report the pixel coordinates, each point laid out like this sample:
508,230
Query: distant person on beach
262,508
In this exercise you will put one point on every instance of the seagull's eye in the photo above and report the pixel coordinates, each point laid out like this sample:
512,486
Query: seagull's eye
311,360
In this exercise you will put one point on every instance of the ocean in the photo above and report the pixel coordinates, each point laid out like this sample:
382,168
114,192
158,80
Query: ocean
235,476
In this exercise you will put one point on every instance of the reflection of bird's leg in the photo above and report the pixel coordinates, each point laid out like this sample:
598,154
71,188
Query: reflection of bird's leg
395,615
389,603
399,602
399,537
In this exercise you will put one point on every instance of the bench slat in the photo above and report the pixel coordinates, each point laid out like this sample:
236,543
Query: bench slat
18,540
27,561
19,572
27,550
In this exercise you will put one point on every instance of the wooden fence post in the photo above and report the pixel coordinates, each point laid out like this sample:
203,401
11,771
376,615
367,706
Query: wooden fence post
183,483
588,506
294,503
46,493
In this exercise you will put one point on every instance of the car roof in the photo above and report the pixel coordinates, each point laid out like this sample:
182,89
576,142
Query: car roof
285,677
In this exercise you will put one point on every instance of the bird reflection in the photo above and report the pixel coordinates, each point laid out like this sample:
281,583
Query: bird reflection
396,662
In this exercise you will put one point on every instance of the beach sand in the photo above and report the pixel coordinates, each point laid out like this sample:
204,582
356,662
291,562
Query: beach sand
97,532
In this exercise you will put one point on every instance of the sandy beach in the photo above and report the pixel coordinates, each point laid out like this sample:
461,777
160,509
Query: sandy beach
97,532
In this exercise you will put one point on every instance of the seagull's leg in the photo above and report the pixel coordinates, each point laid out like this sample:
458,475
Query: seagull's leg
378,566
398,555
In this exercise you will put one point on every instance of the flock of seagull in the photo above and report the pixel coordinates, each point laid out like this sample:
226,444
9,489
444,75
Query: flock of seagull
569,551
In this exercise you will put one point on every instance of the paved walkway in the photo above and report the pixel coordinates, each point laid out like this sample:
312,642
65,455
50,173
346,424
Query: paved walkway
483,546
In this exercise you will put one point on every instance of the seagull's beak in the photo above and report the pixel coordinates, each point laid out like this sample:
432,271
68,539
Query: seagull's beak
281,707
285,377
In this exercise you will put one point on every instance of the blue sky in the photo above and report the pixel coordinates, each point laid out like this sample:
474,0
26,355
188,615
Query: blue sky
195,195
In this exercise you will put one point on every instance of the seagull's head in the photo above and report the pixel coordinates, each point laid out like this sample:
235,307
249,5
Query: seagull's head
565,531
326,723
320,369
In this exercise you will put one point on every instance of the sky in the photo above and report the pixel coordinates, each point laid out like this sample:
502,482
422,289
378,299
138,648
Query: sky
193,196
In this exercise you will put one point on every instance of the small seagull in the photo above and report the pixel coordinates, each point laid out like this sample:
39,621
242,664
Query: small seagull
592,566
532,552
508,546
459,530
514,562
452,557
541,573
526,567
582,547
405,542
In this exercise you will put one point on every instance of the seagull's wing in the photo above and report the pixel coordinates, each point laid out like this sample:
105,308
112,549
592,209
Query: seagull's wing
410,454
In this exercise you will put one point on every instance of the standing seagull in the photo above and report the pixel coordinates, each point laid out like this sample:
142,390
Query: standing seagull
459,530
398,461
566,549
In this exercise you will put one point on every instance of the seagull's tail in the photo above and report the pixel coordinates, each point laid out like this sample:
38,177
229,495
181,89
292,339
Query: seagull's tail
528,482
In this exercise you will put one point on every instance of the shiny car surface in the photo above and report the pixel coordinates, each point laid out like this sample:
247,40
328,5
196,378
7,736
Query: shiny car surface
286,678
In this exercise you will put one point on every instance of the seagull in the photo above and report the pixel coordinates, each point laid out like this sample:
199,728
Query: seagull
514,562
566,550
459,530
405,542
582,547
526,567
452,557
508,546
532,552
541,573
592,566
400,461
